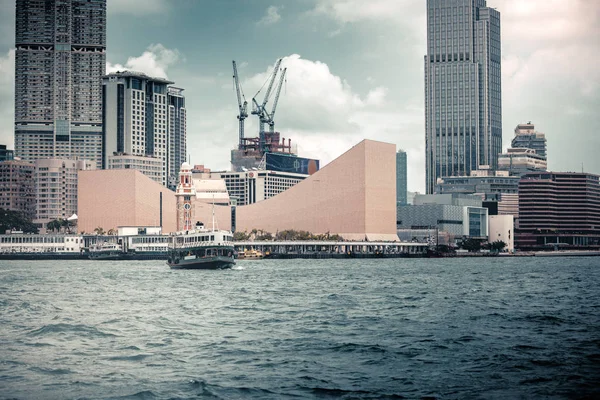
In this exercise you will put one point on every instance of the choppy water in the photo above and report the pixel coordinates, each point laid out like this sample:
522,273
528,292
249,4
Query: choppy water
351,329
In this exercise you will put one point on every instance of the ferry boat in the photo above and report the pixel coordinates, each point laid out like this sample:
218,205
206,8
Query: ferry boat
201,248
25,246
108,251
251,254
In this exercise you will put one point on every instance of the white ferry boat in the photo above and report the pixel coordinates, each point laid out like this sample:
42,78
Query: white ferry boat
24,246
201,248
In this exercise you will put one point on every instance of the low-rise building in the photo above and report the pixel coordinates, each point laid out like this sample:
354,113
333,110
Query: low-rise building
502,228
497,186
353,196
456,214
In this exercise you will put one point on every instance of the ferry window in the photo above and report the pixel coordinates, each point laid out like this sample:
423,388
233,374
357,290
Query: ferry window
212,237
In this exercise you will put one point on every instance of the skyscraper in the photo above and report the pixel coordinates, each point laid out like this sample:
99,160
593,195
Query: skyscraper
463,113
526,137
401,175
177,134
135,115
59,61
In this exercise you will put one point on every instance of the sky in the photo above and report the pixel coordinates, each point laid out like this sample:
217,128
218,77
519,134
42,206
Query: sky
354,71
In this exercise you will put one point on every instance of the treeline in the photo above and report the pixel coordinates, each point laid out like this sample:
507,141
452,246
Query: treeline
290,234
15,221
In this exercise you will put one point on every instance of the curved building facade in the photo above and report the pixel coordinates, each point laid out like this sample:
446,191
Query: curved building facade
354,196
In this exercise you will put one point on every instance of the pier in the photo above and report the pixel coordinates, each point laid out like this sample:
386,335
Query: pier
329,249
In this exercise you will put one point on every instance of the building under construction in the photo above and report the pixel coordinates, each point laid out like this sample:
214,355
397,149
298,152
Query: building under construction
250,152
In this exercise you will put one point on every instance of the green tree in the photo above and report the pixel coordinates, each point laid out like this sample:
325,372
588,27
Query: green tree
17,221
111,232
472,245
241,236
498,245
99,231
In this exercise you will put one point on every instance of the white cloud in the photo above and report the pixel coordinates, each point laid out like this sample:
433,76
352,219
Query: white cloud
324,116
356,10
154,62
272,16
137,7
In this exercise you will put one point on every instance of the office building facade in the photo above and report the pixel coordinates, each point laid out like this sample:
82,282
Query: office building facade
135,116
17,188
519,161
463,112
455,214
526,137
559,208
401,178
254,186
59,61
177,150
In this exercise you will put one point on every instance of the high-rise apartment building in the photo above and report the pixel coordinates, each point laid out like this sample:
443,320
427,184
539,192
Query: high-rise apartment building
17,189
526,137
59,61
401,178
135,114
177,134
56,187
463,112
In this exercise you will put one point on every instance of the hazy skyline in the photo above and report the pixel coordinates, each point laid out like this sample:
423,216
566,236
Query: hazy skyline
355,70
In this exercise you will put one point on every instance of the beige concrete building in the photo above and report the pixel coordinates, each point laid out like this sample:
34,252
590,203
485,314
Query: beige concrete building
502,228
123,197
353,196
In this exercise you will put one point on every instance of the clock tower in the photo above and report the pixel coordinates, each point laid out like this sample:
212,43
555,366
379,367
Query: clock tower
185,195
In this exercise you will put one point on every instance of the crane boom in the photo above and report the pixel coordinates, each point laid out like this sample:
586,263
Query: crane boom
243,107
268,93
276,100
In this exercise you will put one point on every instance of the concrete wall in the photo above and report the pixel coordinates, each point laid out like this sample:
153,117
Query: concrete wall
353,196
113,198
501,227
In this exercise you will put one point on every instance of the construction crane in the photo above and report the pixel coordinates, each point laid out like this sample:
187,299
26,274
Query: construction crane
259,109
243,107
271,116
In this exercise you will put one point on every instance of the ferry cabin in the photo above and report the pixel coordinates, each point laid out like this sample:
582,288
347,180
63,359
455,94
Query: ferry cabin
29,243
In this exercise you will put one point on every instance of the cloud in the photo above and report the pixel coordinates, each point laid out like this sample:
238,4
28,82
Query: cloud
272,16
154,62
324,116
7,79
137,7
347,11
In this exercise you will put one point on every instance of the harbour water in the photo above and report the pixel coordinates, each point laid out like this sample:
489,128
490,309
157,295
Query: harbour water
486,328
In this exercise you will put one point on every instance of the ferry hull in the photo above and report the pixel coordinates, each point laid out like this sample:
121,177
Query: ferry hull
217,262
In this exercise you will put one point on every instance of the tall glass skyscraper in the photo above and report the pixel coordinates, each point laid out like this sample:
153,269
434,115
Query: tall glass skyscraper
401,181
60,59
463,111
